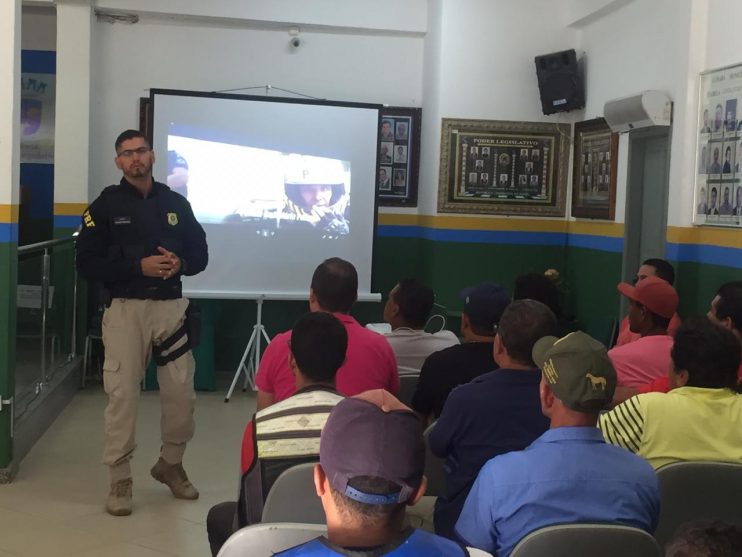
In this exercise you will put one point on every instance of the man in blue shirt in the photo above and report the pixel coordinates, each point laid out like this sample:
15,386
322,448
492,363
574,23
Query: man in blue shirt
372,457
495,413
569,474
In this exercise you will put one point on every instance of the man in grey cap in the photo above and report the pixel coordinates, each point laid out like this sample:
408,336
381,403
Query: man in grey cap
372,457
569,474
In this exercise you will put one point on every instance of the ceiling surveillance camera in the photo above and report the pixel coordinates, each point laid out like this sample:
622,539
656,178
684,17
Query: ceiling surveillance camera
296,42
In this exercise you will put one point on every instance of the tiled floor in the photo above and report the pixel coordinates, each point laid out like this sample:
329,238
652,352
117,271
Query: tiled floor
55,505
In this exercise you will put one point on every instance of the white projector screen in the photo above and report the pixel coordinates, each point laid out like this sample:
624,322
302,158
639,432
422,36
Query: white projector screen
279,185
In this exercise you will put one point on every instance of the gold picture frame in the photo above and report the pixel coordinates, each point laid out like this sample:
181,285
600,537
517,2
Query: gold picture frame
503,167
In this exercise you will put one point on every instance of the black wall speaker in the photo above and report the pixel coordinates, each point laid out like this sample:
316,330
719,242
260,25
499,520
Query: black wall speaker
560,82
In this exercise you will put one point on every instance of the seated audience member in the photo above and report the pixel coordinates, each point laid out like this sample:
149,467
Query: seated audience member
649,268
407,311
539,287
706,539
725,310
496,413
699,419
372,457
569,474
652,303
444,370
369,363
288,432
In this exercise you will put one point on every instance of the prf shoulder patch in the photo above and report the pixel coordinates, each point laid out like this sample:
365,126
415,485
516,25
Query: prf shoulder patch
172,219
88,220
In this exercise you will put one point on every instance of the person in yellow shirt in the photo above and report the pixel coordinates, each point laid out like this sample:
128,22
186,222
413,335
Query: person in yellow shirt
699,418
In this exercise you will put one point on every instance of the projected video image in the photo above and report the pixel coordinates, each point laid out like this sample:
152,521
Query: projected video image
270,191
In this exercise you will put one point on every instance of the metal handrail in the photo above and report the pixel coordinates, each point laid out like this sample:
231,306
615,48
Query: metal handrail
38,246
45,284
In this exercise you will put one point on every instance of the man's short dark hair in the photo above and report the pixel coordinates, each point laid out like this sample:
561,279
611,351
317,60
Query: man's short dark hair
730,303
318,343
704,538
523,323
415,300
662,269
539,287
708,352
335,284
127,135
367,514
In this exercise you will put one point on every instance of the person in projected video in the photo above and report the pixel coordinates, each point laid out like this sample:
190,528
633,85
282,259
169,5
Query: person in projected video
324,206
177,173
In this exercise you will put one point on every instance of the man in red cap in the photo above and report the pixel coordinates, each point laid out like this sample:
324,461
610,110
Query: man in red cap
652,304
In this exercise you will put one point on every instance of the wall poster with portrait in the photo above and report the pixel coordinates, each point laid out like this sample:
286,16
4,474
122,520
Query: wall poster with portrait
398,156
718,177
594,174
500,167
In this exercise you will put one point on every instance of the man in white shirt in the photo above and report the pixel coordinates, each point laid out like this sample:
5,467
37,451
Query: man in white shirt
407,311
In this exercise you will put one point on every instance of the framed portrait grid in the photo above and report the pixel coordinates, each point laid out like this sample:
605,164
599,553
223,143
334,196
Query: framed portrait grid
718,176
398,156
501,167
594,170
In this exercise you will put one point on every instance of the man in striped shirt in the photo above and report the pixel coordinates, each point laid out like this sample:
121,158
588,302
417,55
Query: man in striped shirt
699,418
286,433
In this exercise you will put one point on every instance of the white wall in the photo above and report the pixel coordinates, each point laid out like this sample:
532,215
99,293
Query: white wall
485,51
652,44
209,56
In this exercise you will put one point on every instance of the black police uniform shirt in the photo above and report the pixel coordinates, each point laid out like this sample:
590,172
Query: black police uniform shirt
121,227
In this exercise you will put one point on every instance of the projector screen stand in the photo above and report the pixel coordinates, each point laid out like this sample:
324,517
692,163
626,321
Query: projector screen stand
251,356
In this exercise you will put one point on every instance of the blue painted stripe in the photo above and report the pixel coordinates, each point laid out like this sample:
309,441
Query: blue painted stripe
8,232
600,243
708,255
39,61
511,237
66,221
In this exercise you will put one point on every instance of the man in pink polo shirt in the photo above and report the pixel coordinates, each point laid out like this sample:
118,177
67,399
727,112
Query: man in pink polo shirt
649,268
369,362
652,304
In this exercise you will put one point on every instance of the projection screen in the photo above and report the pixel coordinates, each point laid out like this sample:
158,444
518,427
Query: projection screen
279,185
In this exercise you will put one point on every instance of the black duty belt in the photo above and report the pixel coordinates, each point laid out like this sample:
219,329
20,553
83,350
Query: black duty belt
172,292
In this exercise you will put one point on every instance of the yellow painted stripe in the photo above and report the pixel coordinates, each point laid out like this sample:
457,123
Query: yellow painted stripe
474,223
70,209
724,237
610,229
8,213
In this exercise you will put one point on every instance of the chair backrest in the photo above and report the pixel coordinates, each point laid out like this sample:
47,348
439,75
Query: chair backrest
407,386
264,540
587,540
698,490
292,498
433,469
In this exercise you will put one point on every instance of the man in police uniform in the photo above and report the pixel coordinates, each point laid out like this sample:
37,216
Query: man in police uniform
137,239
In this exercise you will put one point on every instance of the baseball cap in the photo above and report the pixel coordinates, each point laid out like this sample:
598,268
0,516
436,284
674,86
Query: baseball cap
653,293
577,369
373,434
484,303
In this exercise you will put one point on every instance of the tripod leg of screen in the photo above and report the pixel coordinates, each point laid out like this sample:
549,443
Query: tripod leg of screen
251,357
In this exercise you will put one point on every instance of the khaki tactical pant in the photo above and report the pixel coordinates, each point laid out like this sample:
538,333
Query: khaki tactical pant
130,329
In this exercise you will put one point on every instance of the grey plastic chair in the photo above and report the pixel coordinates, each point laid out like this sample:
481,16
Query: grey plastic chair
587,540
292,498
433,469
696,491
264,540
